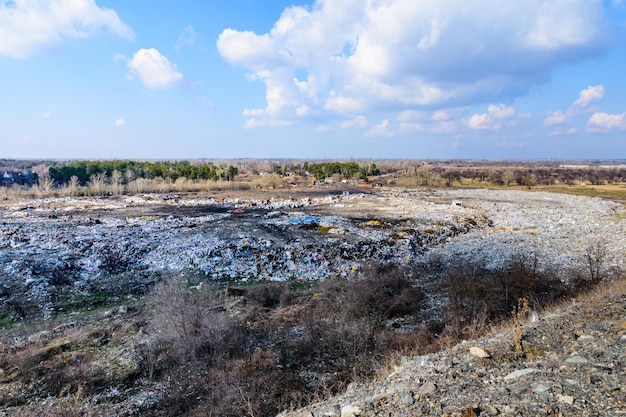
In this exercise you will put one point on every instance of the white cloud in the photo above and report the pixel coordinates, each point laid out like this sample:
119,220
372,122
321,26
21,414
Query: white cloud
440,115
564,131
382,129
252,123
47,115
604,122
303,110
496,117
444,128
413,116
247,48
154,70
585,98
33,27
120,122
412,54
322,129
555,118
410,128
580,106
358,121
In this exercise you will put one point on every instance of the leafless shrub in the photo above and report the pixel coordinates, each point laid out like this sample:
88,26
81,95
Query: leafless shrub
46,184
479,296
267,296
595,256
186,328
116,185
97,184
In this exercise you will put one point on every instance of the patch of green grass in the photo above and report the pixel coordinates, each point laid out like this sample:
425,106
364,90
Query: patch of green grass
6,322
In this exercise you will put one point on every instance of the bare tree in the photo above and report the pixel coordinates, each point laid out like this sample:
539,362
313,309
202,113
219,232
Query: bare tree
97,183
595,255
46,184
117,182
508,177
73,185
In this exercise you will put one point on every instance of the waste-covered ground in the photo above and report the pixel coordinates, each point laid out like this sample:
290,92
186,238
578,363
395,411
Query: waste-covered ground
80,267
57,253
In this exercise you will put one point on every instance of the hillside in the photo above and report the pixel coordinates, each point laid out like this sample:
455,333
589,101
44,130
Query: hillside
572,363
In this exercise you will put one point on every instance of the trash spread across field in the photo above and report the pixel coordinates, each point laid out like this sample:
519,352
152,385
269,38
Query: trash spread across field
59,249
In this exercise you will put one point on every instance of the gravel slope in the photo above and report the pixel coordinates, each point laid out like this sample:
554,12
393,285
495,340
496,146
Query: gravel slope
574,366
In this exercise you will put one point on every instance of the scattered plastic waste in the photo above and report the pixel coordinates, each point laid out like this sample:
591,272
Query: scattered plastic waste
93,243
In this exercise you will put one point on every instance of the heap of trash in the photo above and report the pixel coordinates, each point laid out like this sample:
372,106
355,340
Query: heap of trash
59,251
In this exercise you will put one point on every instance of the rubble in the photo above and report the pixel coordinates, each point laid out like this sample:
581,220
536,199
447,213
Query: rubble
51,247
450,382
55,250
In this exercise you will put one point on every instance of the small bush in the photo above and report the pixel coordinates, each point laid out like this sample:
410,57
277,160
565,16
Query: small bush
187,328
267,296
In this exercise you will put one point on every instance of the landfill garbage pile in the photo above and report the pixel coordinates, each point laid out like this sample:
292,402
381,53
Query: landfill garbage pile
563,231
57,253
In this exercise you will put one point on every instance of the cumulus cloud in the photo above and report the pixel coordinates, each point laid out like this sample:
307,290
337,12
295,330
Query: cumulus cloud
580,106
604,122
154,70
120,122
357,122
412,54
555,118
496,117
585,98
30,27
382,129
440,115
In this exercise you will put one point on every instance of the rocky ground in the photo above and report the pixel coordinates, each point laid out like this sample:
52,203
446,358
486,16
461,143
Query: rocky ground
60,255
572,363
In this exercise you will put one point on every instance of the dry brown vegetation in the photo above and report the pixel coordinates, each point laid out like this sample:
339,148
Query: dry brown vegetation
257,350
588,180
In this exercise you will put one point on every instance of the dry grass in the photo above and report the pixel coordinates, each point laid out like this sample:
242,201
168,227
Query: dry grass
612,191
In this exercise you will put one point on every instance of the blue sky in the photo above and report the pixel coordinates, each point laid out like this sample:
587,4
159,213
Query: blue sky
316,79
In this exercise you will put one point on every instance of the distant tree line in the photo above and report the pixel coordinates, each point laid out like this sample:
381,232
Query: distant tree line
125,171
347,169
530,176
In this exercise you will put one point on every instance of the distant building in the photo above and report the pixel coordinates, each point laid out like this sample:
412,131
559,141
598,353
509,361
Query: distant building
9,178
